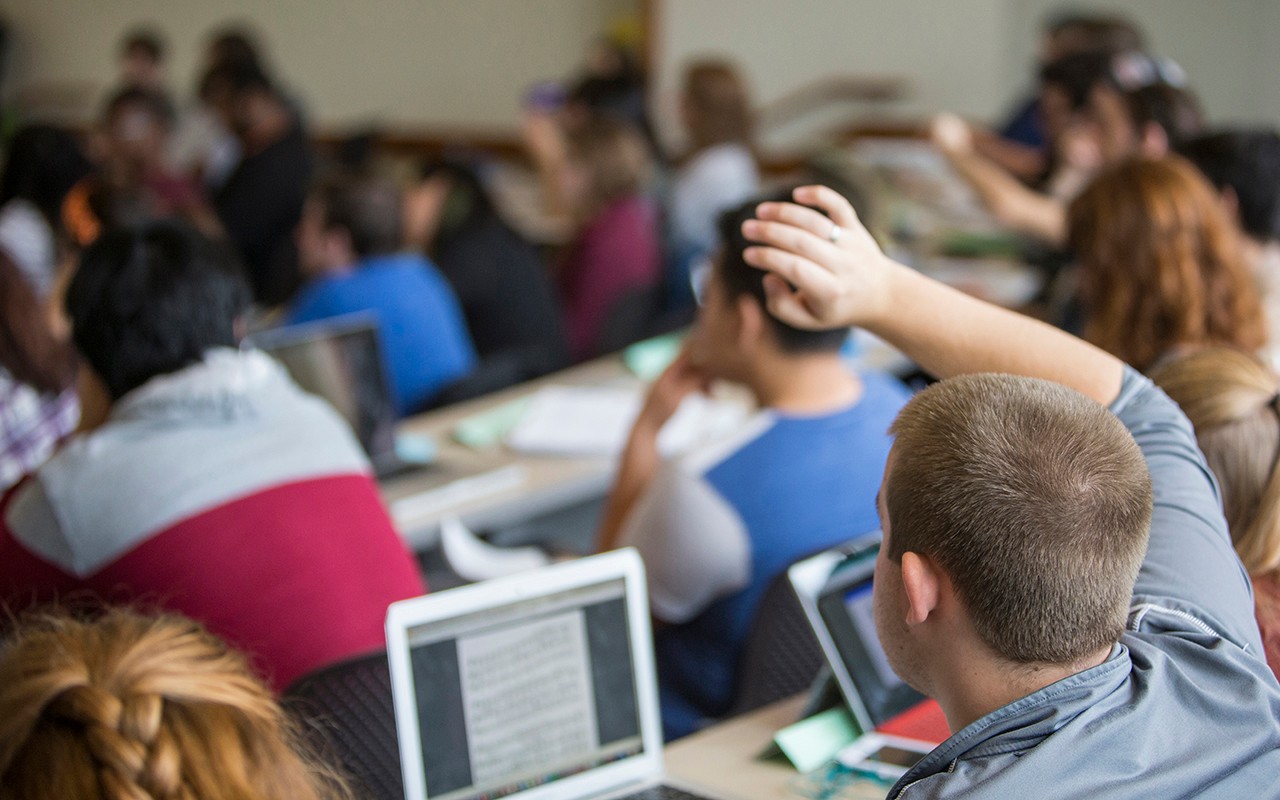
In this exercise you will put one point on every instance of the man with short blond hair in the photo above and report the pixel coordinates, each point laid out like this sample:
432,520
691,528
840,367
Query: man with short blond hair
1056,570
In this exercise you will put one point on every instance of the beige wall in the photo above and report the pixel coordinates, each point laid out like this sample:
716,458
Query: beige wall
468,62
971,56
428,62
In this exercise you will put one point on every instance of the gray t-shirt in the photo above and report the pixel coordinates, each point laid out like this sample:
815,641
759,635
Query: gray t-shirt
1185,706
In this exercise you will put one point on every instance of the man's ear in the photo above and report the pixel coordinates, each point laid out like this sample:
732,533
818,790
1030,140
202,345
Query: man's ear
1154,141
922,585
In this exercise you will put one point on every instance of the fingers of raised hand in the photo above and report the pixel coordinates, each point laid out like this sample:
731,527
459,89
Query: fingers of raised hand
786,305
798,216
794,269
830,201
793,239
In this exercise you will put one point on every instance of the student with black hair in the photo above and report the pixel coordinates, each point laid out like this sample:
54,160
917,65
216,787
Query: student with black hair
44,162
260,203
500,279
142,57
715,526
204,481
1117,106
133,182
350,246
1244,166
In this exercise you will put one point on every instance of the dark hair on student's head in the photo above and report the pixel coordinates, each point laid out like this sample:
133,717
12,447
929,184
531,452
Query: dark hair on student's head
1077,74
154,104
738,278
235,78
233,44
144,41
367,208
1175,109
44,163
150,299
1102,32
1248,163
28,349
468,204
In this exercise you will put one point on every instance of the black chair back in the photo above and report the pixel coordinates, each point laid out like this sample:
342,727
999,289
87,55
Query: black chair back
782,656
631,318
345,712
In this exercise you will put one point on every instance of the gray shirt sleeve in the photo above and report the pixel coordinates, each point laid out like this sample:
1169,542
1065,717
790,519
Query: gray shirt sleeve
694,545
1190,559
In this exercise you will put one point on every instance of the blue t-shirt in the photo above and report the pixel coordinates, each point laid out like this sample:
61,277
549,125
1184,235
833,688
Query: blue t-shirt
717,526
420,324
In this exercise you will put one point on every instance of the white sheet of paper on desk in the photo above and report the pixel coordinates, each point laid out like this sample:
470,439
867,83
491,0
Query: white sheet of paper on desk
595,421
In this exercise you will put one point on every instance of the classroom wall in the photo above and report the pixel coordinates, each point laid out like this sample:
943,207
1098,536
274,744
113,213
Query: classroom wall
467,63
974,57
415,62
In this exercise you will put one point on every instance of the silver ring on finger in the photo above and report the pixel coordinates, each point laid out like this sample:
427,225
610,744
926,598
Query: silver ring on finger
835,234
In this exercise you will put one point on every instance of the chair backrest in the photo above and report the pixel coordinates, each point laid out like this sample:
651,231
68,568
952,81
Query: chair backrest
782,656
630,319
345,712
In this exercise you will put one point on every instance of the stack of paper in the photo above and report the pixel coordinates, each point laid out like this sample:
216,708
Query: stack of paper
595,421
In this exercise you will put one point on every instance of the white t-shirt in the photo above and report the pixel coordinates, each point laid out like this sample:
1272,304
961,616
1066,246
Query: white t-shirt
714,181
27,239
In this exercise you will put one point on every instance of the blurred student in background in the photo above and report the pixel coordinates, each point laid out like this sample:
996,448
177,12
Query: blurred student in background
350,244
1233,401
1025,142
1161,270
202,146
132,706
142,63
598,173
1134,106
260,203
43,164
1244,166
719,170
499,277
38,406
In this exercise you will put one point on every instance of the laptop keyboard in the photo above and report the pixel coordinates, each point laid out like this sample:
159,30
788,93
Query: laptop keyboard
663,793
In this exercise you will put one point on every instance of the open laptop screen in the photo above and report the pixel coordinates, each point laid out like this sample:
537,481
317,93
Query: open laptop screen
524,694
340,360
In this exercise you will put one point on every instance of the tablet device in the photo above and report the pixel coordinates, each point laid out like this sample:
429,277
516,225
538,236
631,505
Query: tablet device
835,591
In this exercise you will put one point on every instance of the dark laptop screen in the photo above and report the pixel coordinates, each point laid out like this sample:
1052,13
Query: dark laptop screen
341,361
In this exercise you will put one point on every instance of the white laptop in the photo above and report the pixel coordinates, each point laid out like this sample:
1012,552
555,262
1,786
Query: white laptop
534,686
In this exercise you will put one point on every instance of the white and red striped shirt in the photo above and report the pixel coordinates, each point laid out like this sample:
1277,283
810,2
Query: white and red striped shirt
225,493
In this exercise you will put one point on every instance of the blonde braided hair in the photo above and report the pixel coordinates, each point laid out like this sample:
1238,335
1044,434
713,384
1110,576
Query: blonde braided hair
134,707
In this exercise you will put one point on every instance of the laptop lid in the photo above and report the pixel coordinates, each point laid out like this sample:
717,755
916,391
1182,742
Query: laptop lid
532,686
340,360
835,590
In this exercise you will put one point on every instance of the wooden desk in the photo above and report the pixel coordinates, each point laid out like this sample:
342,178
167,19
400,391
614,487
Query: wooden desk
721,760
495,487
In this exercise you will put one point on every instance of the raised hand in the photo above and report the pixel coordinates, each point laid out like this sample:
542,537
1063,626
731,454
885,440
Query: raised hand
824,271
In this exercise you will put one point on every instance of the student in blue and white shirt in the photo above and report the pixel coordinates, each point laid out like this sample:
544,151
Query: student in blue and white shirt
717,525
